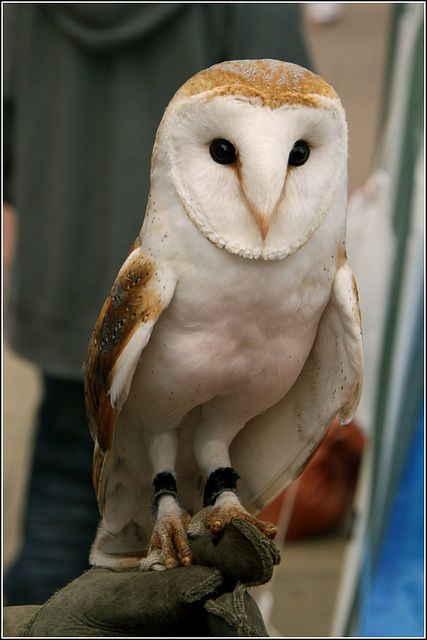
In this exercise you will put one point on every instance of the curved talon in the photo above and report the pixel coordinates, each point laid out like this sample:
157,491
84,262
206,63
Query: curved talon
219,517
217,526
268,529
171,563
184,554
271,531
169,540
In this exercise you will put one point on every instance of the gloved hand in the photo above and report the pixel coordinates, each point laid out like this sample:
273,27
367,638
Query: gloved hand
209,598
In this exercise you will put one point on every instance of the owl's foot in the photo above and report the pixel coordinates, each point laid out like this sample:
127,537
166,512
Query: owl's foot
221,492
169,544
227,506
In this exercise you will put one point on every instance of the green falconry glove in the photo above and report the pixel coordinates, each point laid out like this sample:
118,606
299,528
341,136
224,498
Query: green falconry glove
208,598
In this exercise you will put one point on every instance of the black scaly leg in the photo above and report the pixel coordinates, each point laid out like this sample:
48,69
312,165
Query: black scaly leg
220,480
164,483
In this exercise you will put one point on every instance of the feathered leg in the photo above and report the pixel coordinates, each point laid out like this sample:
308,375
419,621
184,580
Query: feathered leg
221,492
212,442
168,544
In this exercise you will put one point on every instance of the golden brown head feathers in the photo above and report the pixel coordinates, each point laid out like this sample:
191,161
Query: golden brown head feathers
271,83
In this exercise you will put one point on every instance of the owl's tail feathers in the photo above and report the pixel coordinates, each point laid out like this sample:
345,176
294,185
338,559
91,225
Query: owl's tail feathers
120,550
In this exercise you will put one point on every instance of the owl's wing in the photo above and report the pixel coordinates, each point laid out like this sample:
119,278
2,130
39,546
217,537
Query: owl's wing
141,291
273,448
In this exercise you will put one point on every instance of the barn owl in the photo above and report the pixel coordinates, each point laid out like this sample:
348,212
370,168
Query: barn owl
231,337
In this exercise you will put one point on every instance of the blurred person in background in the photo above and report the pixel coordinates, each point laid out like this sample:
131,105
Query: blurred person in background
85,86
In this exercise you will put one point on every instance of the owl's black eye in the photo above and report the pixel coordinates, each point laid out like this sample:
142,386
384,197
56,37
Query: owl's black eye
222,151
299,154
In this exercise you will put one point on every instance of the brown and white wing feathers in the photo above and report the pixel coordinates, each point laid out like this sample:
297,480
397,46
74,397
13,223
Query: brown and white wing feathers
142,290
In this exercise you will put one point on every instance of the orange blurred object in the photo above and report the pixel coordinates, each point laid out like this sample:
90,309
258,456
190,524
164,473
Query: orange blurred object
326,486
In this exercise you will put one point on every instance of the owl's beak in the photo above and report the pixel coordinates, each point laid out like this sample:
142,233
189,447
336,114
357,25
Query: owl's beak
263,222
262,189
262,217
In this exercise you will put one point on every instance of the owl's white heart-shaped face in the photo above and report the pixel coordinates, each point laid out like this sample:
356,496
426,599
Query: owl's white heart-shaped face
256,176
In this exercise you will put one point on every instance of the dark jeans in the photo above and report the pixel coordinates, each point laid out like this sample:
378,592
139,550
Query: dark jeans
61,514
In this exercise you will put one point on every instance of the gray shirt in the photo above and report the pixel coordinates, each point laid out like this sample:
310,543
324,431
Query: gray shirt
85,86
